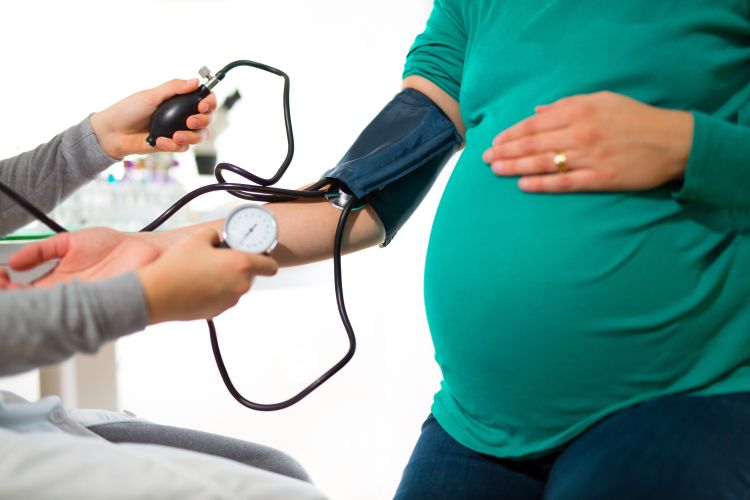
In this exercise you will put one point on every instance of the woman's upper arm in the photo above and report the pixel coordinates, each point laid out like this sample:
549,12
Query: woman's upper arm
440,97
435,62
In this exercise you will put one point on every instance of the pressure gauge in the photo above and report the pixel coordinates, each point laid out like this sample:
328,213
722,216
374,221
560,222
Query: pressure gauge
251,228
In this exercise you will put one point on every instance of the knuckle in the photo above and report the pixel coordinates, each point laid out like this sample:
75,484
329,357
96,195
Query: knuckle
583,109
273,267
576,113
241,289
585,135
244,263
529,127
239,262
229,303
598,155
527,146
609,175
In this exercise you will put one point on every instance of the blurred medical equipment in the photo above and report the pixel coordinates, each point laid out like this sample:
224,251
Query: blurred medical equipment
205,152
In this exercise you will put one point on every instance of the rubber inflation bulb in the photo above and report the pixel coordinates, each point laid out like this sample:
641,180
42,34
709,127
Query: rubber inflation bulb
173,113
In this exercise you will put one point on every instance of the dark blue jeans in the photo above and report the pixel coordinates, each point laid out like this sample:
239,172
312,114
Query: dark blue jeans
676,447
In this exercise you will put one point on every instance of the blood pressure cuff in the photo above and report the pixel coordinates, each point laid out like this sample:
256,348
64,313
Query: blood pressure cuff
396,159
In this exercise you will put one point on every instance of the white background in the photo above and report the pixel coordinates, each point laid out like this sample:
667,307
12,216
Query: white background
63,60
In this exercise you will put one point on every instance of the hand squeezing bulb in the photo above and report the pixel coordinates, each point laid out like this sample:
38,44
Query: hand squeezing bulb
173,113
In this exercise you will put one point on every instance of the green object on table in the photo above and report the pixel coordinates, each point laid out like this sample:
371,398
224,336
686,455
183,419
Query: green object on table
25,237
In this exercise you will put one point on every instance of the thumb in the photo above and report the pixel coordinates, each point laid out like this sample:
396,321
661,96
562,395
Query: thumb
37,253
4,278
205,235
263,265
172,88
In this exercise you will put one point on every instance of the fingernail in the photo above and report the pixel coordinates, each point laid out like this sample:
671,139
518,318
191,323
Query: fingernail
203,107
191,82
498,166
487,156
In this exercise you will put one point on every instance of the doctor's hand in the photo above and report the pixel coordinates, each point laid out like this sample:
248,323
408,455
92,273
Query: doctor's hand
123,127
195,280
86,255
6,283
603,142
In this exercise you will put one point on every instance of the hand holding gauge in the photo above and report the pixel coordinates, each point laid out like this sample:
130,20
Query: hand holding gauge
250,228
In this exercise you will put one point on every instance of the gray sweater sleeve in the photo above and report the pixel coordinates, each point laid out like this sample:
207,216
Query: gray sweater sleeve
48,174
43,326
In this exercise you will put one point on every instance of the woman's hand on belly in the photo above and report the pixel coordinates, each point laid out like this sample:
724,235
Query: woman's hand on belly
594,142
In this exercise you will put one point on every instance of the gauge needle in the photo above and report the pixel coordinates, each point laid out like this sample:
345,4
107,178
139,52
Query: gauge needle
248,233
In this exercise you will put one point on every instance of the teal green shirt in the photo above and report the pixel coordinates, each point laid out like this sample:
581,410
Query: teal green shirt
549,312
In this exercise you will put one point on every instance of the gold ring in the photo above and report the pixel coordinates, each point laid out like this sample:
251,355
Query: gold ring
561,161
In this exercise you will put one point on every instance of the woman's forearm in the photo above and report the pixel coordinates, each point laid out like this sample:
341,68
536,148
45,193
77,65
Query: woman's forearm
717,172
306,231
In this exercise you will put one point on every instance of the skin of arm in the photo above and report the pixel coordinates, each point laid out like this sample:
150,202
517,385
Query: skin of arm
446,103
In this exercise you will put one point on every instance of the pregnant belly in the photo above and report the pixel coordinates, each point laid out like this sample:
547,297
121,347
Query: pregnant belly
543,303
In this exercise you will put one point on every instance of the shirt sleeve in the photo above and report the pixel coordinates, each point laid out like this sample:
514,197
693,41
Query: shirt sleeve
49,173
718,169
438,53
44,326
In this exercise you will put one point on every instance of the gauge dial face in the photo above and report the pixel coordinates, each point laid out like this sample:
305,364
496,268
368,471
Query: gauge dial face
251,228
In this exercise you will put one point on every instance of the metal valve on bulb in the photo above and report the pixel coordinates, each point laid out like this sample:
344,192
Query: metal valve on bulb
173,113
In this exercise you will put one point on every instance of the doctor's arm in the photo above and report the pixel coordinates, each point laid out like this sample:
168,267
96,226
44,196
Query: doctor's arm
46,175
